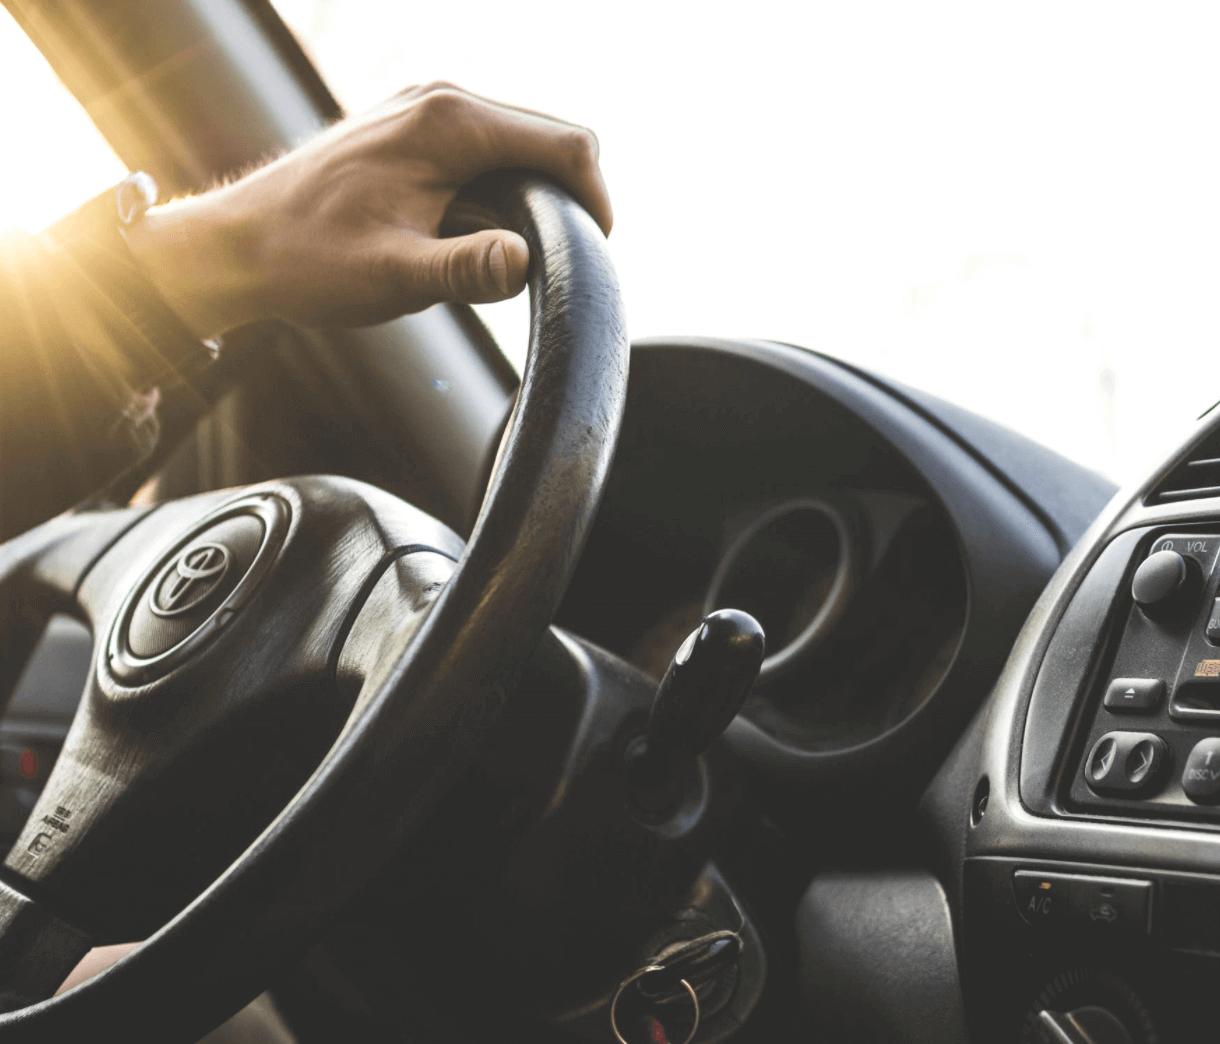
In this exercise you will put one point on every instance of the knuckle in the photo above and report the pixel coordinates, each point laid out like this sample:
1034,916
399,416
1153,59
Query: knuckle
582,146
438,85
469,273
443,105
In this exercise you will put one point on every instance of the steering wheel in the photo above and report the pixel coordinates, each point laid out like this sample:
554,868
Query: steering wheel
286,680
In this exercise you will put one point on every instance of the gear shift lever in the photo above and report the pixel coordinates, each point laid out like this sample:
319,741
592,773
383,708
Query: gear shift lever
705,686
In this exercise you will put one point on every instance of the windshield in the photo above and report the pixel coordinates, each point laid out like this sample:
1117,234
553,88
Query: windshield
1015,209
1012,206
63,159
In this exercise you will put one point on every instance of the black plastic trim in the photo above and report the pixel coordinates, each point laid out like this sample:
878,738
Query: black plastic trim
276,31
1069,668
877,958
942,415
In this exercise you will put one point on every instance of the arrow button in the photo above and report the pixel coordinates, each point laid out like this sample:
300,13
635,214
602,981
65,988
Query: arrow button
1126,761
1140,761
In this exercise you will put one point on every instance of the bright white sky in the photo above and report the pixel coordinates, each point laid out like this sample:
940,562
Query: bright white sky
1014,206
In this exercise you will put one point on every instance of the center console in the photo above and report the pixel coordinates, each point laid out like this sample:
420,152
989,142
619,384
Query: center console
1090,889
1151,736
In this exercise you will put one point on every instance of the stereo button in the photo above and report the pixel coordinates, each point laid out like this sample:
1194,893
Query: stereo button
1201,777
1125,762
1138,695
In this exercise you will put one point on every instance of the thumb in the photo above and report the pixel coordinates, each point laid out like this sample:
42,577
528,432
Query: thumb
474,269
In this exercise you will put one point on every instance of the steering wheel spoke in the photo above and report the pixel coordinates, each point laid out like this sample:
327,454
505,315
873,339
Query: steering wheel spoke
40,572
391,615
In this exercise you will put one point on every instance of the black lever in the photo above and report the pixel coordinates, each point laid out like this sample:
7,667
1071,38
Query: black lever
705,686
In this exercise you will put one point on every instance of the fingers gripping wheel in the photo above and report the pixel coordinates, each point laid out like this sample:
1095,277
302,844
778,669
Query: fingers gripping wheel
428,686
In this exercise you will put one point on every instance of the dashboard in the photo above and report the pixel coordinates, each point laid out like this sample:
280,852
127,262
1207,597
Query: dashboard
890,559
949,613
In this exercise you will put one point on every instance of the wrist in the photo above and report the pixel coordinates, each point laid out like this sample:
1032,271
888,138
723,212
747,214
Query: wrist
114,313
203,254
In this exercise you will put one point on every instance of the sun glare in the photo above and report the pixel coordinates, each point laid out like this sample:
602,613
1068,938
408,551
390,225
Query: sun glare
1013,207
52,157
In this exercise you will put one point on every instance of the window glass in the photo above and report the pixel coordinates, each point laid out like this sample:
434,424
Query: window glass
53,158
1015,206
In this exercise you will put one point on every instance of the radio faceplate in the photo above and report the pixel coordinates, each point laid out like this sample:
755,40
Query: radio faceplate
1151,744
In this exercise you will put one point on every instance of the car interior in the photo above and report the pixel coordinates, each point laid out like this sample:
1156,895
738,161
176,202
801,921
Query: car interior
682,689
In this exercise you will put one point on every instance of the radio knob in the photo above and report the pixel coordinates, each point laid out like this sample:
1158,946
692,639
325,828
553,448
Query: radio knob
1166,585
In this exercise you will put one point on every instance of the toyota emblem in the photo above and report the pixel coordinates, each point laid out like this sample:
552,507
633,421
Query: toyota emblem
196,573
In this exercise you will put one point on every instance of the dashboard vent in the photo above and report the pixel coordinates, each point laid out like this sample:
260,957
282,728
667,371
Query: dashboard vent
1197,476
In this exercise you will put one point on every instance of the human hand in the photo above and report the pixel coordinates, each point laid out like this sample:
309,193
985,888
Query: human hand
343,230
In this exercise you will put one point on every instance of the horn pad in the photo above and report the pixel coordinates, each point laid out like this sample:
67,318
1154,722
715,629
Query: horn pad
196,587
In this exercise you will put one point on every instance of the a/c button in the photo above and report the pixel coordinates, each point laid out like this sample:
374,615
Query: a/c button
1041,898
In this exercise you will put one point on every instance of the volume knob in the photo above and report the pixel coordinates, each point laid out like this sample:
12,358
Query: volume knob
1166,585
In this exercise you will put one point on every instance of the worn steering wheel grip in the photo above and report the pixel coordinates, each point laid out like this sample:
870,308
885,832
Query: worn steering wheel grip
429,696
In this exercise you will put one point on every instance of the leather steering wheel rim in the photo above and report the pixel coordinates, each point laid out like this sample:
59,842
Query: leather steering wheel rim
427,706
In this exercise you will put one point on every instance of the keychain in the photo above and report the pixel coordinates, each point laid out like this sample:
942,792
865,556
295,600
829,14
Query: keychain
662,979
635,977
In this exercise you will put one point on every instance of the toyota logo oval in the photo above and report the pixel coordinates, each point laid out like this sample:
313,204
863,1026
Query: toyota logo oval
196,573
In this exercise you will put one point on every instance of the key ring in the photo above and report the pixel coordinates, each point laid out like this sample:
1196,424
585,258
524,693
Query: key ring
637,975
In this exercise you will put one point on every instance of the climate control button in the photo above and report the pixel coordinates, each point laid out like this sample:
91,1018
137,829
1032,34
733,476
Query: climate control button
1201,777
1126,762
